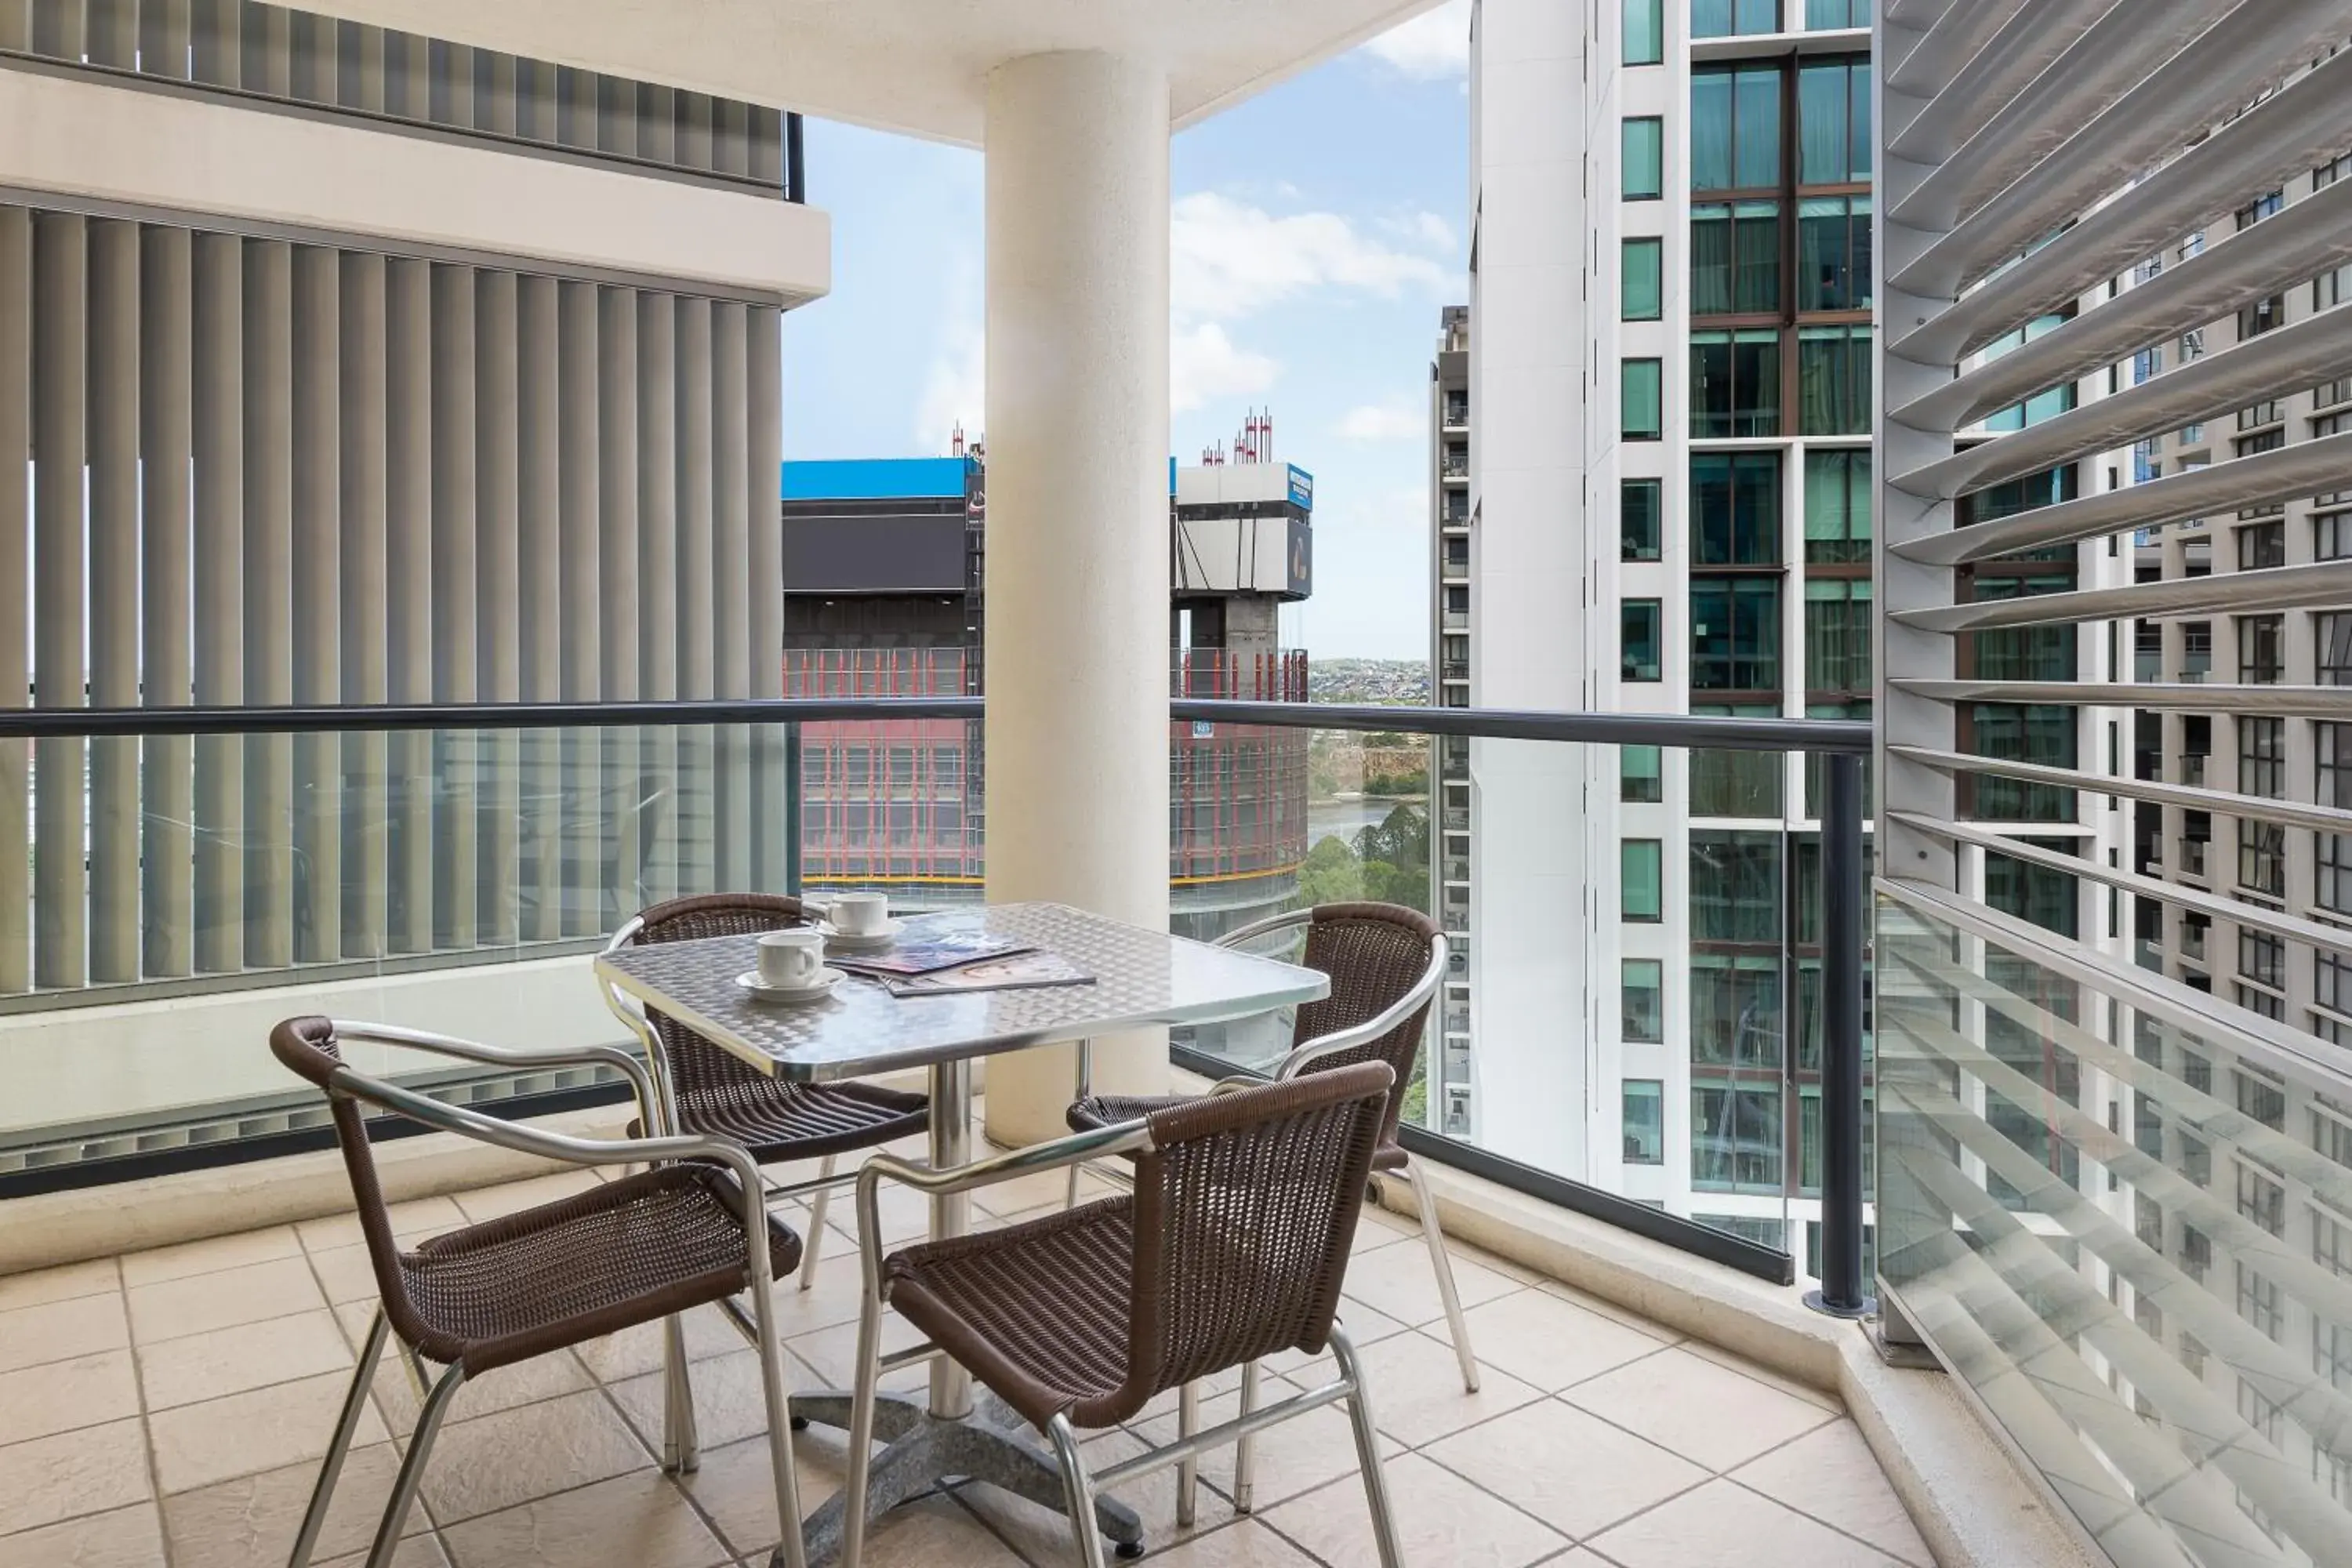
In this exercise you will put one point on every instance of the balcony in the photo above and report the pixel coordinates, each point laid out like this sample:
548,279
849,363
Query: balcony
2101,1210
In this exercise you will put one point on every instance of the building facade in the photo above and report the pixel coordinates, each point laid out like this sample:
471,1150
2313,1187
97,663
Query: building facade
883,567
1667,512
347,366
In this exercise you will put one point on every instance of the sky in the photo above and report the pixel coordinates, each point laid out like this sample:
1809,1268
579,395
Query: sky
1316,232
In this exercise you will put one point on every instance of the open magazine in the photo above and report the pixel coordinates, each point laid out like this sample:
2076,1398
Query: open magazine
939,948
1013,972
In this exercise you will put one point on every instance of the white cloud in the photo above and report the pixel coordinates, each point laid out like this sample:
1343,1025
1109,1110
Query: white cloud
1228,260
1432,47
955,388
1370,422
1203,364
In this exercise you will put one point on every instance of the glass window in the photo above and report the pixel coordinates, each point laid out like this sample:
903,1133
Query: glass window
1824,14
2262,757
1735,128
1735,633
1642,622
1736,508
2334,629
1833,251
1641,280
2262,648
1641,774
1736,898
2262,857
1641,875
1732,19
2042,405
1725,782
1645,1122
1642,982
1735,383
1837,634
1834,121
2041,733
1643,158
1736,1138
2264,544
1645,32
1837,507
1640,503
2262,958
1641,394
1833,381
1735,258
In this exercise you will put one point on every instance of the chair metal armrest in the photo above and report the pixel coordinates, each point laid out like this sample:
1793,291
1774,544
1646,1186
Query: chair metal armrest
1240,935
1237,1083
1305,1054
640,1080
468,1122
1102,1142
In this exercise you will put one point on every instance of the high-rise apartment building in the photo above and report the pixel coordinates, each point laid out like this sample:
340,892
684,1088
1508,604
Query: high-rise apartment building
1450,542
1667,511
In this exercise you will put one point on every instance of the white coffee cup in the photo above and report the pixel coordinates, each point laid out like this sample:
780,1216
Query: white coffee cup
859,914
791,958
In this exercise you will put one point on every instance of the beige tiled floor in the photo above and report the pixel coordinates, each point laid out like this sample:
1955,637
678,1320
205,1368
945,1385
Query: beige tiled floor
167,1410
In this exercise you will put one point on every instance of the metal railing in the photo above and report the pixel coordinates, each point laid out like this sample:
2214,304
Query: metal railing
2108,1199
644,812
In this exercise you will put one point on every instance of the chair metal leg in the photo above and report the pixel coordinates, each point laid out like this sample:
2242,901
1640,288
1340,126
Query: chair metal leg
790,1550
865,1378
1368,1449
815,1240
681,1439
1086,1530
1187,1471
1455,1327
330,1469
1245,1449
412,1469
1085,1086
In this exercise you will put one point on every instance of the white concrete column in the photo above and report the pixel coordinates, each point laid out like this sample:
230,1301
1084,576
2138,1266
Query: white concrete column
1077,547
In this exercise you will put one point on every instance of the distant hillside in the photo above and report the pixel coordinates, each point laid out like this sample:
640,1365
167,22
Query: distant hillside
1394,682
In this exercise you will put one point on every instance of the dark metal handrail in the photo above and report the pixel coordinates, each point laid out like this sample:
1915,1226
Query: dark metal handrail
1828,736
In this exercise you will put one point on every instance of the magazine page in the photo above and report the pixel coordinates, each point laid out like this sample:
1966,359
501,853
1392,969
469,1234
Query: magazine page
1015,971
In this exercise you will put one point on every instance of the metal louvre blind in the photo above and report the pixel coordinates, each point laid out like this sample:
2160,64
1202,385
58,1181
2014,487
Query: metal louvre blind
260,473
298,57
2031,176
2115,1060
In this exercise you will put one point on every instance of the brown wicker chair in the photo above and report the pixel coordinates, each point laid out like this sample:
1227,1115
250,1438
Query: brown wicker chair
1231,1248
1386,964
705,1089
640,1248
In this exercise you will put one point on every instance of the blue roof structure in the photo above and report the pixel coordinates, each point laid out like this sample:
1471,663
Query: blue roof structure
874,479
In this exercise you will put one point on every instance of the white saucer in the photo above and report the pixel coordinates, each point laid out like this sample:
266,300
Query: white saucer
864,941
761,991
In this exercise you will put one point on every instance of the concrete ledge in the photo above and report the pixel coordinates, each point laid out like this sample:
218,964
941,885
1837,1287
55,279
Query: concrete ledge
52,1228
150,151
1971,1504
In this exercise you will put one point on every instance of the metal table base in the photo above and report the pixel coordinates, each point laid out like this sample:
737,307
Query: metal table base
924,1451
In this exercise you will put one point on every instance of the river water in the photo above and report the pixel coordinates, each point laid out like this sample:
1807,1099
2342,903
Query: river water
1345,818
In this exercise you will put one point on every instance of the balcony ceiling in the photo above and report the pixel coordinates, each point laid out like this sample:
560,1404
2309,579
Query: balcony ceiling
914,66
